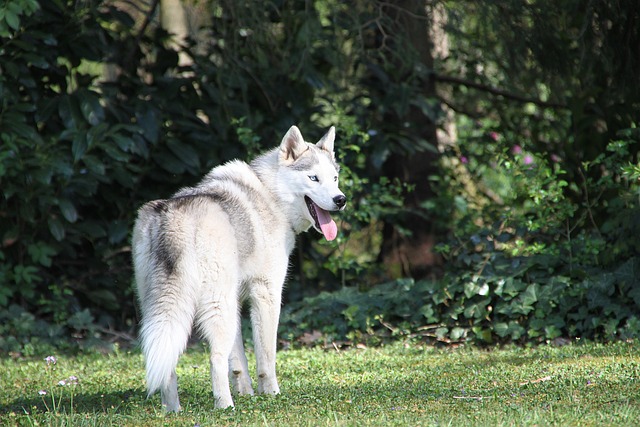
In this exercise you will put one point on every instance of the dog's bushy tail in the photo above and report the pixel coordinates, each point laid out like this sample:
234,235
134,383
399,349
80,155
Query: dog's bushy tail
164,338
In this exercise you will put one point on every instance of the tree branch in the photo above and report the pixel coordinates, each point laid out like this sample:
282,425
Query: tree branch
147,20
497,91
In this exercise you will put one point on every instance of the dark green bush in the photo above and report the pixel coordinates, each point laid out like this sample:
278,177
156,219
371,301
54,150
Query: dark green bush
539,248
79,153
533,268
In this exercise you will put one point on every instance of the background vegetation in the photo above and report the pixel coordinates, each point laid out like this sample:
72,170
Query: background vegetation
490,152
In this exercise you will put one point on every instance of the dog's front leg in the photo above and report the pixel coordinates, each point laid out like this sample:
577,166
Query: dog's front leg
265,313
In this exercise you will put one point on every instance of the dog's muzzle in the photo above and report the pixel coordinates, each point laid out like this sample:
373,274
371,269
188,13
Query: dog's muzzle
340,201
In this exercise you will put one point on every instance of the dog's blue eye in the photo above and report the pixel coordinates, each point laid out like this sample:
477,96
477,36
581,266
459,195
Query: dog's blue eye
313,178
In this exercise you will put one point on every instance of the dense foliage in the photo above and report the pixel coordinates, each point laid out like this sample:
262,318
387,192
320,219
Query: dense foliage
80,152
534,205
528,269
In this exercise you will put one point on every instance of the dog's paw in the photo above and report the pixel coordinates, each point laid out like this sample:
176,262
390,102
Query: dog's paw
224,402
171,407
243,388
268,386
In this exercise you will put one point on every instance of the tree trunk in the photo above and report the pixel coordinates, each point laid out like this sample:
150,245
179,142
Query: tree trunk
413,255
173,19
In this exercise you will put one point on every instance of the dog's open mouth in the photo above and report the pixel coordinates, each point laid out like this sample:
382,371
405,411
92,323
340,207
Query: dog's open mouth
322,219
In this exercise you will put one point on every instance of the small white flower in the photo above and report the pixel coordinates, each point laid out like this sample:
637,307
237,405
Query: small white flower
62,382
42,392
51,360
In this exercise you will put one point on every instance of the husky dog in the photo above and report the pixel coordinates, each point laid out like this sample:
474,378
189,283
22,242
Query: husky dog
198,255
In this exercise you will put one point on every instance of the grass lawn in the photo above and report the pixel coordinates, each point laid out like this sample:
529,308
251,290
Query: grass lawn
580,384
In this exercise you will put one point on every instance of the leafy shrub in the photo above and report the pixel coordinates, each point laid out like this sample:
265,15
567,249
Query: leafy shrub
79,152
539,248
77,157
535,267
534,263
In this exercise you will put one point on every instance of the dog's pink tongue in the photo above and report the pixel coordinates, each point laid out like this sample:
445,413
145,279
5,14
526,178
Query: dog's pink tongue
327,225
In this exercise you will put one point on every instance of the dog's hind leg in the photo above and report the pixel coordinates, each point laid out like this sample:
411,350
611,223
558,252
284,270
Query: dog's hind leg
238,366
169,394
218,318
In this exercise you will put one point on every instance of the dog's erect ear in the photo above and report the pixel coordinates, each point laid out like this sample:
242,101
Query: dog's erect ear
292,145
326,142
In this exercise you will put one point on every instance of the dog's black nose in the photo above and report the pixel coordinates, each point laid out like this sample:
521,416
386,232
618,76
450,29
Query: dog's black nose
340,201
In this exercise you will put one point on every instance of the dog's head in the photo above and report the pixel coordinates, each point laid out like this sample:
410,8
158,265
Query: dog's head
312,174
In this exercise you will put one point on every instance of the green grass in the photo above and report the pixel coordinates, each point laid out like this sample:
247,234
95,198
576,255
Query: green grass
583,384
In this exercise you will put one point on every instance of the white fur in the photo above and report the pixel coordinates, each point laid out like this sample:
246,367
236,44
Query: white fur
199,254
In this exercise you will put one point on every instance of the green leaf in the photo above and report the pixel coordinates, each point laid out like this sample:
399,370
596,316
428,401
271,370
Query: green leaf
56,228
442,332
26,275
68,210
43,176
122,176
118,231
125,143
83,319
184,152
115,153
516,330
473,288
91,108
94,164
92,229
96,134
150,125
457,333
12,19
530,296
552,332
169,163
139,146
69,112
501,329
429,313
483,334
41,253
476,310
79,146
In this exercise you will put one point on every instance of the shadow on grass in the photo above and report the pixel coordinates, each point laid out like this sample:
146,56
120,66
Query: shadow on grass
122,402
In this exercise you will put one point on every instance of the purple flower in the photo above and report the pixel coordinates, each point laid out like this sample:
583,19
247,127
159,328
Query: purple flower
555,158
464,160
516,149
494,135
51,360
528,159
